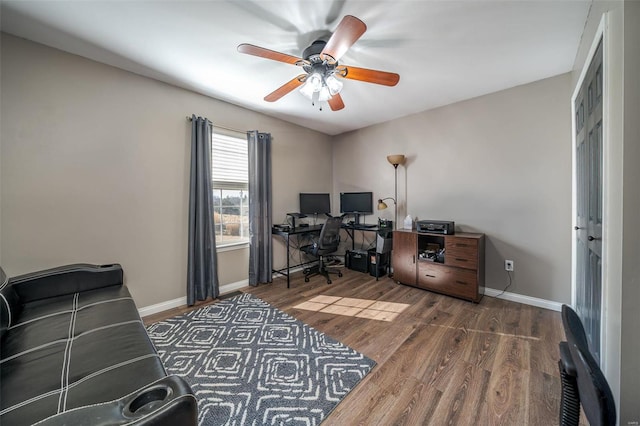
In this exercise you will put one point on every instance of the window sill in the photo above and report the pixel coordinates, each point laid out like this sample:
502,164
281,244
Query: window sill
232,247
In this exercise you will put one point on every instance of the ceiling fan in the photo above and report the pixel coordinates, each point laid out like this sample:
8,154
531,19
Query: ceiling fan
321,81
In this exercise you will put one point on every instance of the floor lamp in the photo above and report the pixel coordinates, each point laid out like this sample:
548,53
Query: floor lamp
395,160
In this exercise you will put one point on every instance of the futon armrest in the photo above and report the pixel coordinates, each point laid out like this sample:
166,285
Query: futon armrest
166,402
63,280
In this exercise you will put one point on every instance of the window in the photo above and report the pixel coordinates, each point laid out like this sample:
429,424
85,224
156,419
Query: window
230,174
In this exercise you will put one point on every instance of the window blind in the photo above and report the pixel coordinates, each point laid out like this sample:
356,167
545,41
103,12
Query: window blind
229,161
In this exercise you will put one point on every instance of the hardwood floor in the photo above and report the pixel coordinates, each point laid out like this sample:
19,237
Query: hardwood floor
441,361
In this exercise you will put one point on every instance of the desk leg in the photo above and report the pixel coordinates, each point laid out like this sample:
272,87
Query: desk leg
288,270
351,234
377,264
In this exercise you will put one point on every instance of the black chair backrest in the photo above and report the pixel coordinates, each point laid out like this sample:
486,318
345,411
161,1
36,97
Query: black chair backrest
594,391
330,234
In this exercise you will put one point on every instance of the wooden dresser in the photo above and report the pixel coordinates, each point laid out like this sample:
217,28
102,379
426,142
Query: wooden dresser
418,260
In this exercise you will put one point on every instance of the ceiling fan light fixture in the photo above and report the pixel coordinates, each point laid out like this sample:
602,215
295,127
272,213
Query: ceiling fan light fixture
315,80
323,87
334,85
324,94
312,85
307,90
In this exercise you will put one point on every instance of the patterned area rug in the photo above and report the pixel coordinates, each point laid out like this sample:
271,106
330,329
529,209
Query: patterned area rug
251,364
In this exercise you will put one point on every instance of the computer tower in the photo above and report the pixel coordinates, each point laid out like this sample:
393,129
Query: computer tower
357,260
379,261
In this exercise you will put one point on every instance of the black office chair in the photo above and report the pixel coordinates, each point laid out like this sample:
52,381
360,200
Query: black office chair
583,383
326,243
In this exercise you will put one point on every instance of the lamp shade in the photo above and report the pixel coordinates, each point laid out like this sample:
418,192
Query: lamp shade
395,159
382,205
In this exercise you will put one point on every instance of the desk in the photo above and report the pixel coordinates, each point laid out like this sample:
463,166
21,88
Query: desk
286,235
315,229
351,228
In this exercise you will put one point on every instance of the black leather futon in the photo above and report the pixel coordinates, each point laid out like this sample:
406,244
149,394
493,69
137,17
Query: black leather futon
75,351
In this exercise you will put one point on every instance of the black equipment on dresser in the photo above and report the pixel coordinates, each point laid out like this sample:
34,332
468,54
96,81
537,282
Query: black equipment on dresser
435,226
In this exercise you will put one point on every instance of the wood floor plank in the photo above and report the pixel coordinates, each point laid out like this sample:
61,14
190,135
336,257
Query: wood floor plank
547,327
461,400
440,361
548,406
444,358
481,350
508,397
413,405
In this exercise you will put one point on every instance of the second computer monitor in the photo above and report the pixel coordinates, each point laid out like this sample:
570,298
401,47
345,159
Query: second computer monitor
356,203
315,203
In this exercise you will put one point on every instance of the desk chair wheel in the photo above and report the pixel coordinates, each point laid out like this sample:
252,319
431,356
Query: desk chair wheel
339,274
328,281
306,279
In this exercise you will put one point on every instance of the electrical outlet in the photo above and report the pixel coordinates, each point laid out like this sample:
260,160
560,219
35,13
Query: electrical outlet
508,265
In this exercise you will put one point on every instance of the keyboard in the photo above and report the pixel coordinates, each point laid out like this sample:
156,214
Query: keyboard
365,226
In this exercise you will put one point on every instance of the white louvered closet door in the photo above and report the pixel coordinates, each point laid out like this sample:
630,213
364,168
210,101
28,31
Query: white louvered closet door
588,220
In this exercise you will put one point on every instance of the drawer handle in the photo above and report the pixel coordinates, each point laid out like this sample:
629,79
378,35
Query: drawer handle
430,276
461,260
462,282
462,245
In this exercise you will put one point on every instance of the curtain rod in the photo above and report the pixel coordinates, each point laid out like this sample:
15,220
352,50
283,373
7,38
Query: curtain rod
222,127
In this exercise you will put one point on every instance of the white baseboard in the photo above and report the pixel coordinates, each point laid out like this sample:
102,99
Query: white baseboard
162,306
231,287
181,301
520,298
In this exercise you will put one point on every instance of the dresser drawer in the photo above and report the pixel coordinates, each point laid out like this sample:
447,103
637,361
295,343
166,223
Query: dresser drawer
452,281
461,252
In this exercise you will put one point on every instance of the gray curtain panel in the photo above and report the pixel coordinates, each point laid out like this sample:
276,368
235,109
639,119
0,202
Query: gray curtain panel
260,263
202,267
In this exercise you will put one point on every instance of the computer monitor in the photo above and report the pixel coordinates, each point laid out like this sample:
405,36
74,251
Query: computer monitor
356,203
315,203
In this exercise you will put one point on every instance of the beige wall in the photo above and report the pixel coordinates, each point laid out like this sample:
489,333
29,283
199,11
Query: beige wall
498,164
630,361
95,169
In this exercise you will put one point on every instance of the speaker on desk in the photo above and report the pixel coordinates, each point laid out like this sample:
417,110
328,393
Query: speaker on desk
293,217
385,225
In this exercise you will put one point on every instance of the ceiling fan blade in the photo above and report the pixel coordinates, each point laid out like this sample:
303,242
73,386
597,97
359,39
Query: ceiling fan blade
336,103
250,49
369,76
286,88
348,32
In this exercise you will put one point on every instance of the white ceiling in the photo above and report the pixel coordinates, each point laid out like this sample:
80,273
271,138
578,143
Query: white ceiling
445,51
